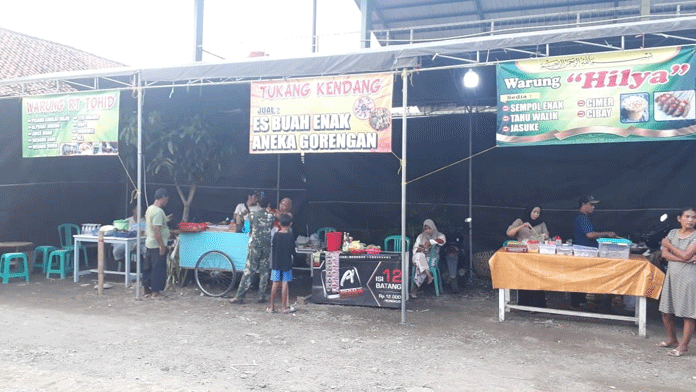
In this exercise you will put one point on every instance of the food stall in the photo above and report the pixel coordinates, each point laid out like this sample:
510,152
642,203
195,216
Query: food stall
569,268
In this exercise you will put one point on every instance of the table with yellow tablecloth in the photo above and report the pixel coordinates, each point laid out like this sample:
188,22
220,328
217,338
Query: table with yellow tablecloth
533,271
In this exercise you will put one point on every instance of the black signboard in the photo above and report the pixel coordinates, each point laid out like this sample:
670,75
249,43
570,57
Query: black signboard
365,280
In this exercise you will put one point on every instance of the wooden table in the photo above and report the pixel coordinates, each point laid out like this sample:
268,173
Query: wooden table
15,246
533,271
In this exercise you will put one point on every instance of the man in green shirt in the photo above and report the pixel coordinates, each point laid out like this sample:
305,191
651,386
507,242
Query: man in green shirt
156,236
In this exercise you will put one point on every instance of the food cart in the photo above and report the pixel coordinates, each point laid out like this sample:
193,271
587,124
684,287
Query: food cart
216,255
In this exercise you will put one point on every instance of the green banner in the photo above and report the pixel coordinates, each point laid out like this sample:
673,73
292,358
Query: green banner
70,124
628,96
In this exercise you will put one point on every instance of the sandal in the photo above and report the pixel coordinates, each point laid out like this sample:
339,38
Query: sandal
666,345
676,353
237,301
269,310
289,310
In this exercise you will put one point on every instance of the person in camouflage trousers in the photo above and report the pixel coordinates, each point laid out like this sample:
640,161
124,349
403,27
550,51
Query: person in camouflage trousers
258,258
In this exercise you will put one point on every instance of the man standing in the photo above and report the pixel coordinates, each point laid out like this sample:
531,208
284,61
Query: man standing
586,235
156,236
243,211
258,258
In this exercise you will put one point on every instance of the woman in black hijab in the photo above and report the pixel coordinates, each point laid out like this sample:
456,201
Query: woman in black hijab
530,227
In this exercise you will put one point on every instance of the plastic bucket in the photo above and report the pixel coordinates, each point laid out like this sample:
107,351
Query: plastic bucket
333,241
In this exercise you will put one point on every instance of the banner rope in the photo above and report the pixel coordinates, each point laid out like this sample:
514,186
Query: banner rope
136,192
450,165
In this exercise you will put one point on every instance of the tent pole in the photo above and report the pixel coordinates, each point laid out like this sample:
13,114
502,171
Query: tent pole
471,252
404,251
140,176
278,184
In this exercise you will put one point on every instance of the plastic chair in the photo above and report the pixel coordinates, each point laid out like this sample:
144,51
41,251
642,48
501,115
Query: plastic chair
321,233
433,263
396,241
63,262
66,231
5,262
42,251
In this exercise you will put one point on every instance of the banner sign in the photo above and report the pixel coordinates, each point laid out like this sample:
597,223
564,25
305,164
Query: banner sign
365,280
71,124
638,95
334,114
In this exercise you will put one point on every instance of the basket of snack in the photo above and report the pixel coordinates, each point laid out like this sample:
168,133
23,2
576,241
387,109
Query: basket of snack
191,227
373,249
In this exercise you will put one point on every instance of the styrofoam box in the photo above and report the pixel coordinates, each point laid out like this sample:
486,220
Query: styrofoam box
545,249
614,251
585,251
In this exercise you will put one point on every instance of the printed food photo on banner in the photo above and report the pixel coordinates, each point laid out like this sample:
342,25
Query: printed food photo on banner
634,108
674,105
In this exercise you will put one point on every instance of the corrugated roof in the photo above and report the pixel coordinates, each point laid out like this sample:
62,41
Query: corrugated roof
443,19
24,55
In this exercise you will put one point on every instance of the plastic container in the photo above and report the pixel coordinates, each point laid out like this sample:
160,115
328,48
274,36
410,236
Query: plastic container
547,249
533,246
585,251
614,248
333,241
516,248
565,250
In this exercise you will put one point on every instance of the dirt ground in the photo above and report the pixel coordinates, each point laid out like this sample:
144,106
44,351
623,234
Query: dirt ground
60,336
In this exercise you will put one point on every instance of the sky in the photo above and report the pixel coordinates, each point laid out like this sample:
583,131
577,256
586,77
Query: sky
144,33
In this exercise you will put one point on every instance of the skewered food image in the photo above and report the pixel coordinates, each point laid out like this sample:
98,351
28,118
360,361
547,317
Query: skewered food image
674,105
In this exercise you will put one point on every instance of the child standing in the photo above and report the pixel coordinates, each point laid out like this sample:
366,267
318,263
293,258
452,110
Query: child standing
281,266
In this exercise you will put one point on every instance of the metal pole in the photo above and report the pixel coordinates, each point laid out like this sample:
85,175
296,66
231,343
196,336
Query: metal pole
198,30
471,253
404,261
314,26
137,193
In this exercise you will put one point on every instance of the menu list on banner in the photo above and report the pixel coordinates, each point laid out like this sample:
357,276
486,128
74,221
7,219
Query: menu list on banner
70,124
639,95
316,115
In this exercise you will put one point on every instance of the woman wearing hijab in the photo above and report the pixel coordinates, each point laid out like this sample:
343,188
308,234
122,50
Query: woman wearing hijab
422,249
530,227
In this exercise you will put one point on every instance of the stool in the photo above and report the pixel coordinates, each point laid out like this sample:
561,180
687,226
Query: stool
5,261
45,251
63,262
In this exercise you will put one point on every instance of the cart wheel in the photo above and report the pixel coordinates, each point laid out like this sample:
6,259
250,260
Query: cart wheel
215,273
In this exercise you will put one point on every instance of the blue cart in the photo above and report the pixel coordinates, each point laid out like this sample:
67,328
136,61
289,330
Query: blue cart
217,258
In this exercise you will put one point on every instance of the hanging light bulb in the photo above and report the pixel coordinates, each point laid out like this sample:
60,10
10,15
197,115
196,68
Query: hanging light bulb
471,79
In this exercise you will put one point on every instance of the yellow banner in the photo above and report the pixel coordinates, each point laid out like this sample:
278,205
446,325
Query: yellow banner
333,114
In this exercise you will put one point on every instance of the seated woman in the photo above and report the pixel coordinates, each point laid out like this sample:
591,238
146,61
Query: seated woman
679,290
422,249
530,227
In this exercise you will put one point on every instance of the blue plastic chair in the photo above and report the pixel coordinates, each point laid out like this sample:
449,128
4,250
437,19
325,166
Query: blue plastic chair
321,233
66,231
5,262
433,263
396,241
